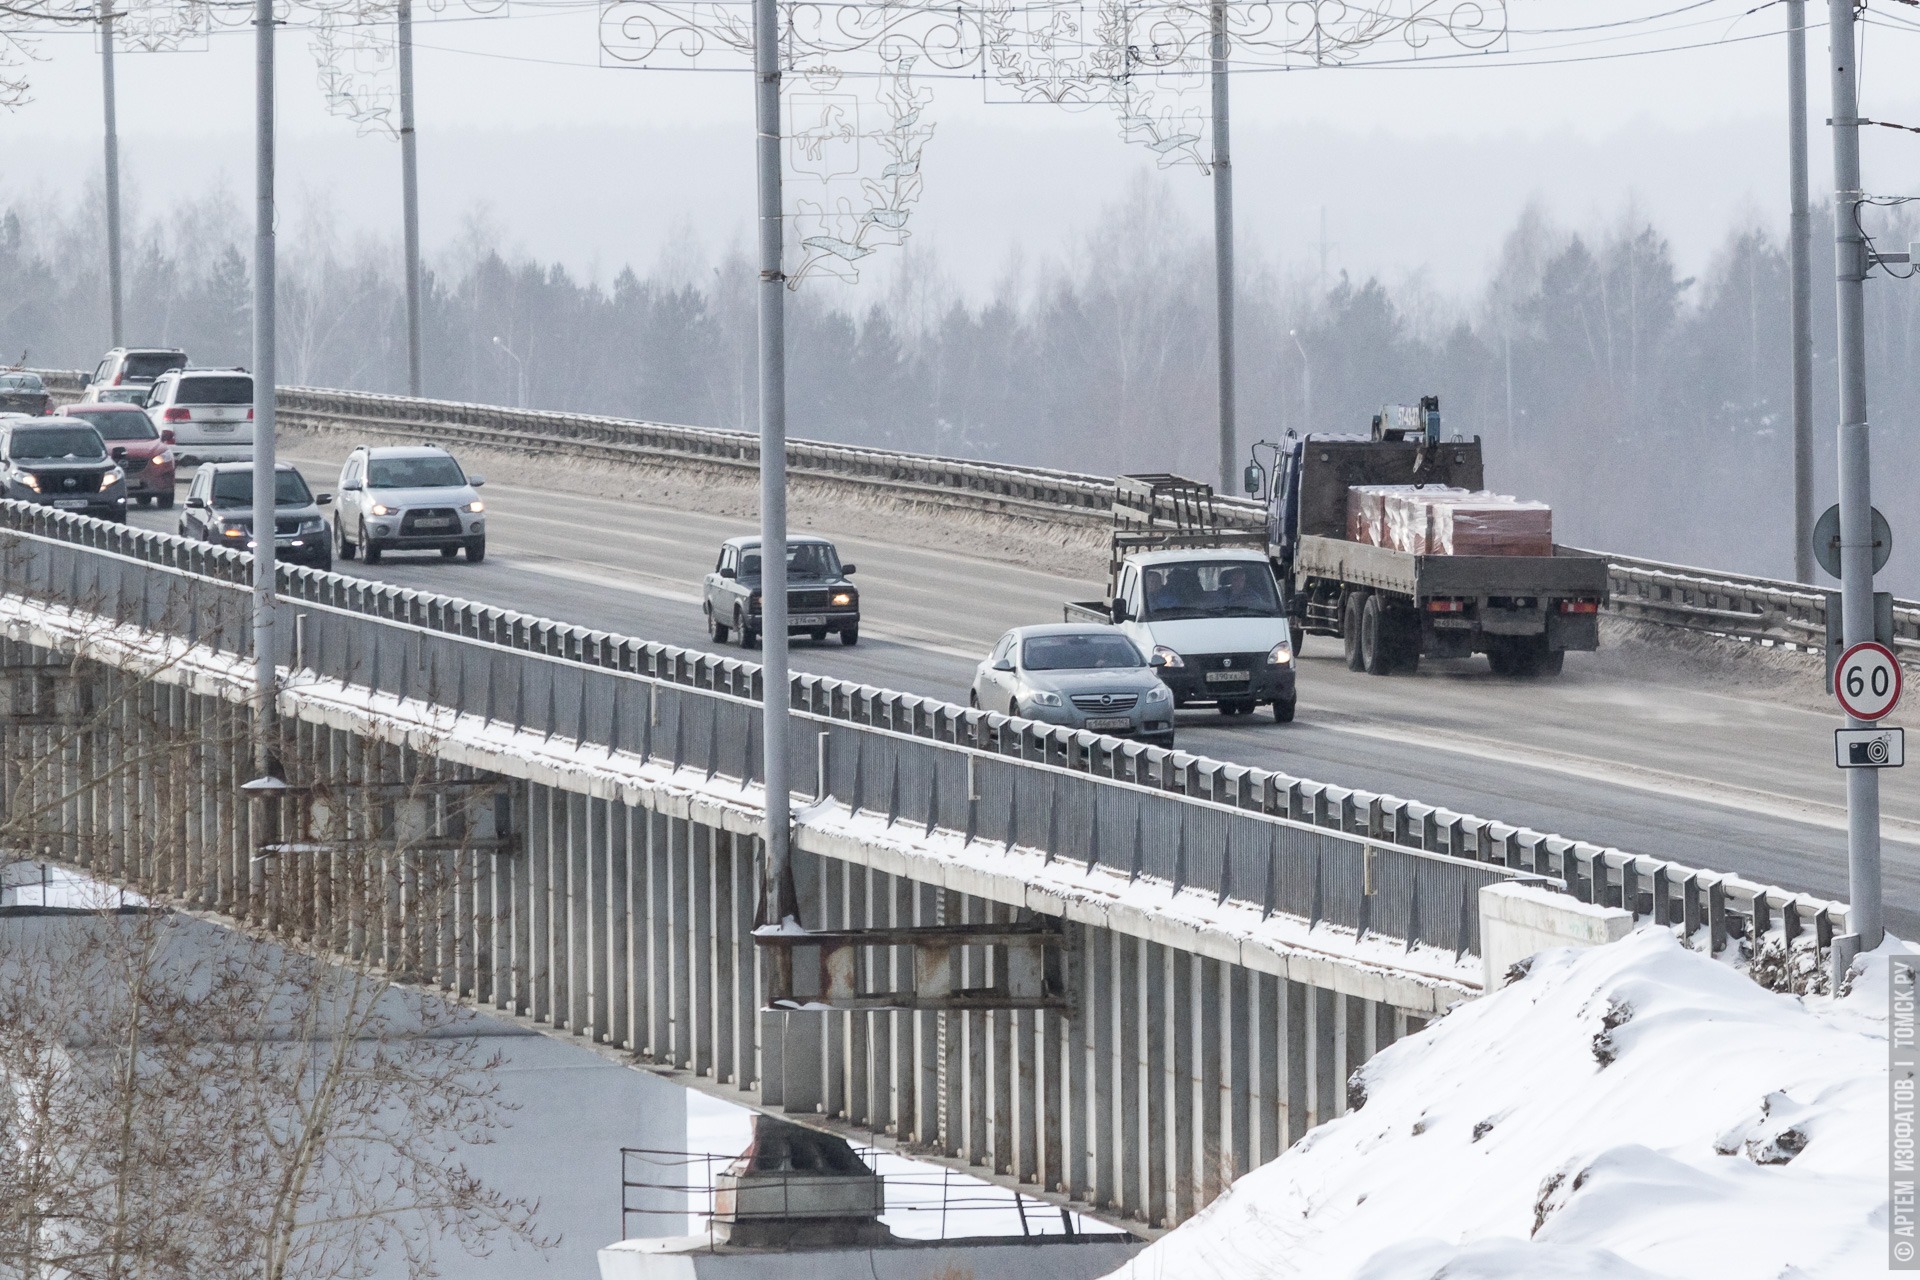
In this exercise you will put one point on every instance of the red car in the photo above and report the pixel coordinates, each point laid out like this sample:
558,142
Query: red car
144,453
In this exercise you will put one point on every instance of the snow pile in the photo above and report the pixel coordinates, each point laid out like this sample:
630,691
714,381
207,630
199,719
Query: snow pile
1623,1113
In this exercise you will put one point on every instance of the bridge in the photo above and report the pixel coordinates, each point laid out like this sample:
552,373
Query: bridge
1105,973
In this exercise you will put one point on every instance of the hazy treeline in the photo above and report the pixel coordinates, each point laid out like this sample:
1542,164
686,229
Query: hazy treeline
1653,409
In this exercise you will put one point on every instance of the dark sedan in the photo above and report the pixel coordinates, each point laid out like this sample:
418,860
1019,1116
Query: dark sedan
24,393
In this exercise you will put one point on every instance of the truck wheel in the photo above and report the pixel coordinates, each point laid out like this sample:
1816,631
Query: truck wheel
1296,635
1283,710
1551,663
1406,642
1350,613
1376,638
1500,656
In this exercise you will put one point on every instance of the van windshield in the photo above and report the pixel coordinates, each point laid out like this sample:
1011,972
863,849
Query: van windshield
1210,589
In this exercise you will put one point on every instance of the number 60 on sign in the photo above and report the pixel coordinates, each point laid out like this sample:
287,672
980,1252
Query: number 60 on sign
1867,681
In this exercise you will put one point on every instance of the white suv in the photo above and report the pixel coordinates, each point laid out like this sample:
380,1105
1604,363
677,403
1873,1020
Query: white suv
209,411
408,498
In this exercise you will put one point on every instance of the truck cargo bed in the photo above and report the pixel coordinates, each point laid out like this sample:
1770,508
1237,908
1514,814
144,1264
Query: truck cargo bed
1567,572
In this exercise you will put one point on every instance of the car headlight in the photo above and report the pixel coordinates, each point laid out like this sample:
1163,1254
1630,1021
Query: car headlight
381,509
233,531
27,480
1280,655
1168,658
114,476
1159,693
1041,698
843,598
313,524
476,506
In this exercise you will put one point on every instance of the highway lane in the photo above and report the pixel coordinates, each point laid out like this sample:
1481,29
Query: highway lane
1729,781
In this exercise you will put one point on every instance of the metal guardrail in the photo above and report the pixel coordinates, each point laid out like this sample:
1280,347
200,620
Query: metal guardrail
1373,863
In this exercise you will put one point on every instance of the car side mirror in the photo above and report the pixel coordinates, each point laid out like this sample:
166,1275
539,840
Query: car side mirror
848,570
1253,480
118,453
476,481
1005,664
322,499
728,573
166,436
350,486
196,504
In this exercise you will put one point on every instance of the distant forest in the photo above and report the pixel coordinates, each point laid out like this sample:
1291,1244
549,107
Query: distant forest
1653,410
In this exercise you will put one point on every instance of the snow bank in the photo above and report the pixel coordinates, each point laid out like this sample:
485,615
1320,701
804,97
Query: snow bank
1627,1112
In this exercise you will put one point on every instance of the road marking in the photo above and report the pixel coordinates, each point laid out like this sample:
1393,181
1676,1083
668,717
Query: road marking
1721,794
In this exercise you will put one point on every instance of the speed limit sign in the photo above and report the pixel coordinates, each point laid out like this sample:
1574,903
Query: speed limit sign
1867,681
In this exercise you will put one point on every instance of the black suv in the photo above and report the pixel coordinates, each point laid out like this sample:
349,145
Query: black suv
61,462
220,509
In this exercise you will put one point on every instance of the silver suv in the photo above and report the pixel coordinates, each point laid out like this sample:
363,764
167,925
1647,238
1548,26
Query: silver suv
408,498
132,367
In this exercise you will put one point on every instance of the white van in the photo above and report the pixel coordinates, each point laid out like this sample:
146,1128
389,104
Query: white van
209,411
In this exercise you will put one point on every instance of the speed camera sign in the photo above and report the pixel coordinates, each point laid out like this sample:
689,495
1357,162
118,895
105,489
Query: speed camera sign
1867,681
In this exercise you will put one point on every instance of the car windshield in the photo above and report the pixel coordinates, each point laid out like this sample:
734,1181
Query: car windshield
151,364
235,489
806,562
21,382
47,443
1078,653
234,388
433,471
118,425
1217,589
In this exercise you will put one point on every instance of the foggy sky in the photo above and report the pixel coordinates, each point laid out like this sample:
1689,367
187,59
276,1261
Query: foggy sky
1418,170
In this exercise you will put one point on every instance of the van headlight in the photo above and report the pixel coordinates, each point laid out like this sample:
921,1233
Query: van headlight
1168,658
1281,655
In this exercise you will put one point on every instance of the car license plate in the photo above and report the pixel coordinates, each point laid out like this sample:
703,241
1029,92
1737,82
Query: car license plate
69,502
806,620
1109,722
1228,677
432,524
217,426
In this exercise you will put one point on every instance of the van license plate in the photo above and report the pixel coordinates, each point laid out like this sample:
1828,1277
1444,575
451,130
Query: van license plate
1109,722
806,620
1229,677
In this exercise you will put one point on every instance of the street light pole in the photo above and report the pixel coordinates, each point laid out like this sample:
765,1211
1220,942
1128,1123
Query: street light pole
1856,495
1223,246
410,196
116,316
519,375
1800,252
780,903
263,386
1306,383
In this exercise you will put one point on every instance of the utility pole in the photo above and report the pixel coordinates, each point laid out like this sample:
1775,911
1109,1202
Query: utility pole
263,388
1223,246
410,196
1856,493
1800,249
780,902
116,316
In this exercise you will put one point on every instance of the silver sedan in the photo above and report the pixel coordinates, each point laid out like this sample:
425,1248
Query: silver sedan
1081,675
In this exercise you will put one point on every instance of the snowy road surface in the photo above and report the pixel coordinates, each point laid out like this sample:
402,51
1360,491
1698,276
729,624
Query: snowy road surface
1730,782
